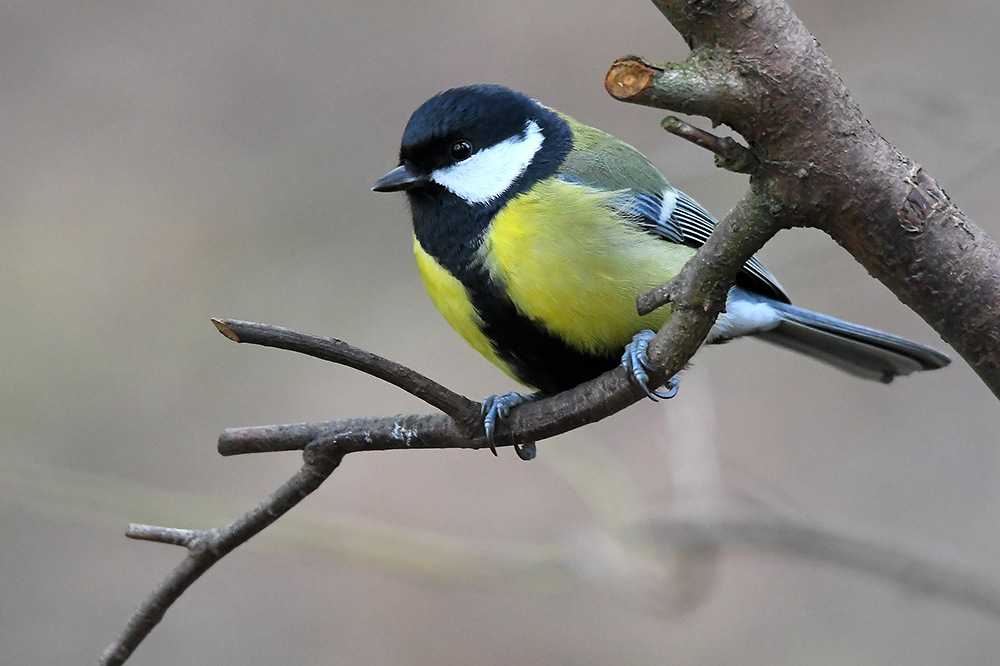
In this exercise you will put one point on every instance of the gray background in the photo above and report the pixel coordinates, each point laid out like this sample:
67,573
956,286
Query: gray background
166,162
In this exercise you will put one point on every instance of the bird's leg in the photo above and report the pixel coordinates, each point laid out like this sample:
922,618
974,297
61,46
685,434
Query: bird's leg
635,362
497,407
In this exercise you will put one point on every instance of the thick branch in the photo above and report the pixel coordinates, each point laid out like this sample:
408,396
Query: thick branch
821,164
697,87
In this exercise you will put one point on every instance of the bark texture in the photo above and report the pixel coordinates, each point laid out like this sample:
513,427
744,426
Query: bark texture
820,163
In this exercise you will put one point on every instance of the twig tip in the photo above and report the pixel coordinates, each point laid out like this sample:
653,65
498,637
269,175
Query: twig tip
223,327
654,298
167,535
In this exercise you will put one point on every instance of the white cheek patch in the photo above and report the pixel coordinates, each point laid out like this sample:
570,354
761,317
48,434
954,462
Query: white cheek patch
487,174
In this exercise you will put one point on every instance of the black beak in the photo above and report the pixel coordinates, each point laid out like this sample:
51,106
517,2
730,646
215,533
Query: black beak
401,178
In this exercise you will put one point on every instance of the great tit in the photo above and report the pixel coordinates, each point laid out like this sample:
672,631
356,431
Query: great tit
534,234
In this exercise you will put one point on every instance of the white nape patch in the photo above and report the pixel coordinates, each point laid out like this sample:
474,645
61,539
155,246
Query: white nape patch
667,208
488,173
743,317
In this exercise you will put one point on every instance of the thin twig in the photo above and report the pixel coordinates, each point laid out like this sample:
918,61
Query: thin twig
325,444
271,438
167,535
729,154
453,404
699,290
207,549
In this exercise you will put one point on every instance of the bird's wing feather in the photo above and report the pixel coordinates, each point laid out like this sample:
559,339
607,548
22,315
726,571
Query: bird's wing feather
678,218
644,197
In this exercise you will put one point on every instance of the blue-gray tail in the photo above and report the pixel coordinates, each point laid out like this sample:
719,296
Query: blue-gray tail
858,350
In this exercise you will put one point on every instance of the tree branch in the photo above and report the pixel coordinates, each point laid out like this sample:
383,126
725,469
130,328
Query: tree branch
205,548
326,443
820,163
699,290
816,161
729,154
587,403
460,408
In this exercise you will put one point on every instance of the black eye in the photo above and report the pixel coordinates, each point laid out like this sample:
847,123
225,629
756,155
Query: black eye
460,150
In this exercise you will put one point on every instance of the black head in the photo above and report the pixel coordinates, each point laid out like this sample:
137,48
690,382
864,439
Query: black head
478,143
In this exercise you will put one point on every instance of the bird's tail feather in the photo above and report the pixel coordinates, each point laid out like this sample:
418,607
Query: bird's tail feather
859,350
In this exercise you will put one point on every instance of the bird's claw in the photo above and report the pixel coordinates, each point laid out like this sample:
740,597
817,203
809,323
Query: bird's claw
497,407
635,362
525,451
672,385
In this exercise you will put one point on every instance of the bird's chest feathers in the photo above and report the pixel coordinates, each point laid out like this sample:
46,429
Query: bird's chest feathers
451,299
568,262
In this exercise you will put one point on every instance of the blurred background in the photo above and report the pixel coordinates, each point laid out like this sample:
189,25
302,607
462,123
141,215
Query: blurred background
168,162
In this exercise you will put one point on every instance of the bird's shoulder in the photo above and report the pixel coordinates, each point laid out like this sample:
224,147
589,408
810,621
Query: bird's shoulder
603,161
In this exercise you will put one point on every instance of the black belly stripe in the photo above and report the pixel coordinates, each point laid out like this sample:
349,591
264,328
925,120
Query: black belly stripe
537,357
534,355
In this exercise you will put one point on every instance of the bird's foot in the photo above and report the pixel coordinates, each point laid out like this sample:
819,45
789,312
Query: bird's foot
635,362
497,407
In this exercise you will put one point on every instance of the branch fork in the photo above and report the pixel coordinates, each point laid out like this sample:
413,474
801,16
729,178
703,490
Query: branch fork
815,160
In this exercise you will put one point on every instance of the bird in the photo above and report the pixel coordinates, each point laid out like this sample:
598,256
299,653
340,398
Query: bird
534,234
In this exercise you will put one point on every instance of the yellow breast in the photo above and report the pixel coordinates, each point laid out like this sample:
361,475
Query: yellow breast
570,263
452,301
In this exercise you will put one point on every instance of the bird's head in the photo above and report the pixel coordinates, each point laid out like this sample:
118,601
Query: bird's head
480,144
